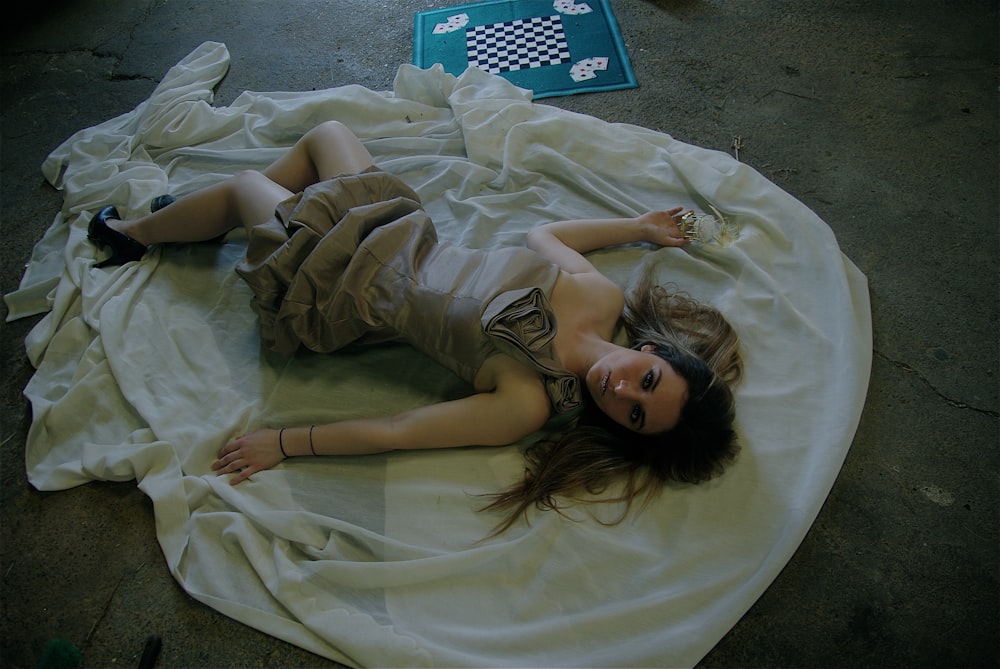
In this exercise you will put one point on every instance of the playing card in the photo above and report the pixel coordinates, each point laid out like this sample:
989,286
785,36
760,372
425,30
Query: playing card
586,68
453,23
570,7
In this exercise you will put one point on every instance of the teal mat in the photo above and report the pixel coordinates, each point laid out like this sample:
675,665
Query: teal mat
551,47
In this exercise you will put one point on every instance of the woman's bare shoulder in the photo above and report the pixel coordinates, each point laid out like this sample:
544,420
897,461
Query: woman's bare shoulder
522,387
589,294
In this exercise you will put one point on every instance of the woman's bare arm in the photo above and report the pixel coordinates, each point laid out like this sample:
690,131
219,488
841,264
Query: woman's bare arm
518,407
566,242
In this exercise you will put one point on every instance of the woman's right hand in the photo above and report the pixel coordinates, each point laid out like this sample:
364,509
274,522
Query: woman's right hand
249,454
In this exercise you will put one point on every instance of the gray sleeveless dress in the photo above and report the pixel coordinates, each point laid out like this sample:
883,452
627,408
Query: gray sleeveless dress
356,260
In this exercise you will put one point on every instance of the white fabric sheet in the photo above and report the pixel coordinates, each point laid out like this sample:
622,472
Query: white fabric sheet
145,370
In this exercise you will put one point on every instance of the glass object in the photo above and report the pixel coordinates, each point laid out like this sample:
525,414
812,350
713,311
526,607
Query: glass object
709,228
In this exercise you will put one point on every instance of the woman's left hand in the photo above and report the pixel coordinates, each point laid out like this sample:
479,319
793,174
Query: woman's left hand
664,227
249,454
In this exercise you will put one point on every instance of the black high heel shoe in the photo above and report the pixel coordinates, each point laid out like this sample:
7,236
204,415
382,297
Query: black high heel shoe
160,201
123,248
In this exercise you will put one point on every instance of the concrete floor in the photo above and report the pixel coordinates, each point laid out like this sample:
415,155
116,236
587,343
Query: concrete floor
882,116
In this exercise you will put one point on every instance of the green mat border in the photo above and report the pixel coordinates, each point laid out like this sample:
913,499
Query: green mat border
420,28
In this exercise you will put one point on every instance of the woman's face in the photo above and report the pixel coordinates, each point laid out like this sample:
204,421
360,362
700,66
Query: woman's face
638,389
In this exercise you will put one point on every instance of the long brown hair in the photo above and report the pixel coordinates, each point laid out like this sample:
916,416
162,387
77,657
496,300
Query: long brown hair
586,459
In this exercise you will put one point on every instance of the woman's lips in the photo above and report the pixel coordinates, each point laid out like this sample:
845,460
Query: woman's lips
604,382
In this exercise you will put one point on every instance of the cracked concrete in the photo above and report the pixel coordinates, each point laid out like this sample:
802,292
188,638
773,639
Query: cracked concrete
948,400
880,116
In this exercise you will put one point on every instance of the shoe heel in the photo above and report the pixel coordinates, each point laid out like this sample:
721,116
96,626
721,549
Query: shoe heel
123,248
160,201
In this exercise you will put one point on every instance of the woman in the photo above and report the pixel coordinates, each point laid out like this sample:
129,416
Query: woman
341,252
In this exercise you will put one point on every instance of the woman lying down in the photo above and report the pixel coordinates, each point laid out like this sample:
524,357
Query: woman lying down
341,252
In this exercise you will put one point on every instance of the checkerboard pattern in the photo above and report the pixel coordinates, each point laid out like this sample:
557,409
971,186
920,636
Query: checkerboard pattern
517,45
549,47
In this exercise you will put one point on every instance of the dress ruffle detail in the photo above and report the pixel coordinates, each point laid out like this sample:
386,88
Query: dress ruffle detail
521,323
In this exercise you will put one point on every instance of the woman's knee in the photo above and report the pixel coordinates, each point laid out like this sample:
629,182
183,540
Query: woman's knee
334,149
254,197
332,127
248,180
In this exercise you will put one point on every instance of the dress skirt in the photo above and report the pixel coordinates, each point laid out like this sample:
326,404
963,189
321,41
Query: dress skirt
356,260
305,280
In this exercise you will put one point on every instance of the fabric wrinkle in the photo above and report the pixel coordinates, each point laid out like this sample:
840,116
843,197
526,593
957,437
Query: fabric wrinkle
356,260
418,586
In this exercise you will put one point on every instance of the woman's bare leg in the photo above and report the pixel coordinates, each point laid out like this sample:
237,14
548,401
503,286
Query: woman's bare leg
328,150
249,198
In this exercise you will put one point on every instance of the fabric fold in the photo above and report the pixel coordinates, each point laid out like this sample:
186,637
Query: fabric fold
383,561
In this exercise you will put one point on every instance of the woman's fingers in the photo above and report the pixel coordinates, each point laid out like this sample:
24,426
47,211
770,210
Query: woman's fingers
231,459
245,456
223,456
666,226
243,475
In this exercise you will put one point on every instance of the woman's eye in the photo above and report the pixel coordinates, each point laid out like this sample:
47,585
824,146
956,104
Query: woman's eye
647,380
636,413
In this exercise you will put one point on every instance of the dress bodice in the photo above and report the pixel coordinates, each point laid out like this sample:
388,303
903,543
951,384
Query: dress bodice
356,260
